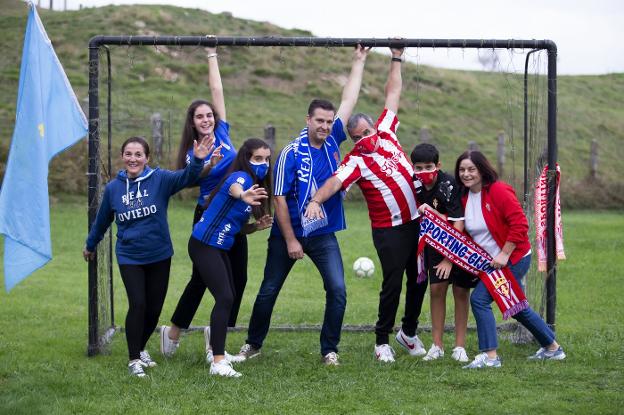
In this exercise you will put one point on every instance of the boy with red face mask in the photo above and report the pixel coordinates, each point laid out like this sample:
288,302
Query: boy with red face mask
437,191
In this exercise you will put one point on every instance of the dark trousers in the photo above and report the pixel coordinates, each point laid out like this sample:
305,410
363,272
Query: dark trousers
397,248
194,291
213,267
324,252
146,287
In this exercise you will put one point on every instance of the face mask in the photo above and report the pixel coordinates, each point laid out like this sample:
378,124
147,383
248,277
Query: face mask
427,177
367,144
259,169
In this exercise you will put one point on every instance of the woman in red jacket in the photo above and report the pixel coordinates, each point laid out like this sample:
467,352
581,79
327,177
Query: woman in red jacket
495,220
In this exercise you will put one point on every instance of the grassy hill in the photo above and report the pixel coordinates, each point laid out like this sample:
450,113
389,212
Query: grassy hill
275,85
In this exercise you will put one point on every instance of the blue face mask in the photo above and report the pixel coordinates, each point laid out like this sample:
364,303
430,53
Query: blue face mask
259,169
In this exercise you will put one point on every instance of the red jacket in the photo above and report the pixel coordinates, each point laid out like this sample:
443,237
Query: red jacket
504,217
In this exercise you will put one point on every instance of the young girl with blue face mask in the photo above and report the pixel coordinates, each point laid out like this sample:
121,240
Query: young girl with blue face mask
243,191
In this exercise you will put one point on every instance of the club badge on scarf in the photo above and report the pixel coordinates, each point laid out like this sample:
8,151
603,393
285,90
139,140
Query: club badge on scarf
460,249
541,203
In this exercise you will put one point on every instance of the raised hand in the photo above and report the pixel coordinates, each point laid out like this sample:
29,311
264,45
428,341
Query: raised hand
360,52
204,147
397,52
254,195
216,156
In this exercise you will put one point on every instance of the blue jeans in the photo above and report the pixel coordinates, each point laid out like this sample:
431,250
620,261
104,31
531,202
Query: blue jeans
481,301
324,252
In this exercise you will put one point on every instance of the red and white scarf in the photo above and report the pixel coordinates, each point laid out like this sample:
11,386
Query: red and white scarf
460,249
541,200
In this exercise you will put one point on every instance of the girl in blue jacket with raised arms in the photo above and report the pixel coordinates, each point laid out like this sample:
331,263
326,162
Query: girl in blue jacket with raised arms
242,192
137,200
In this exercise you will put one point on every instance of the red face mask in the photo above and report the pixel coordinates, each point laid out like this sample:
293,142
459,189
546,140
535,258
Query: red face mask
427,177
367,144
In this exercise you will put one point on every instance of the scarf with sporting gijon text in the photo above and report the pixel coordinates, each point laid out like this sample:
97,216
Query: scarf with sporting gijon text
462,251
541,204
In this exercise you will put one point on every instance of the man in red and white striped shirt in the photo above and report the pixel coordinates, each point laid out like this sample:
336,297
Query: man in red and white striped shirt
384,173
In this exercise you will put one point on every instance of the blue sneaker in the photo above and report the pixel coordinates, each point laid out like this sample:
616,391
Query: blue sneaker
482,361
545,354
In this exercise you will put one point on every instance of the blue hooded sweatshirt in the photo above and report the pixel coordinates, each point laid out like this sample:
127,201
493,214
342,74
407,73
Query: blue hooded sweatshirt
139,208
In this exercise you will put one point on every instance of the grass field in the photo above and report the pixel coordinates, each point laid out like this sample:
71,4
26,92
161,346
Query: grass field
44,368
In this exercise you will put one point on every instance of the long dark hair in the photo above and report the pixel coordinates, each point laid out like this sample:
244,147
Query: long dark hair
241,163
189,133
488,173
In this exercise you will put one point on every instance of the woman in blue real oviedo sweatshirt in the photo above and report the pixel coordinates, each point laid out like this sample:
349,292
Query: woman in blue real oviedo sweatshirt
137,200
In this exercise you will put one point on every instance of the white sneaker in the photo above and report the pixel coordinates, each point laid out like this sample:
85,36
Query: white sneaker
331,359
434,353
224,368
459,354
482,361
210,356
167,346
135,368
545,354
146,359
384,353
413,345
232,358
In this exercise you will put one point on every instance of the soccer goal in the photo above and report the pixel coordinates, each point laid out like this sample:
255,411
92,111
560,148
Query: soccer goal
524,96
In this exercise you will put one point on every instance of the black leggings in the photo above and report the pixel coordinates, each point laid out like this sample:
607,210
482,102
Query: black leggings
146,286
194,291
213,267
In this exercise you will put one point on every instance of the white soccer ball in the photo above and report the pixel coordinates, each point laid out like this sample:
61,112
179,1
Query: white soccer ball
363,267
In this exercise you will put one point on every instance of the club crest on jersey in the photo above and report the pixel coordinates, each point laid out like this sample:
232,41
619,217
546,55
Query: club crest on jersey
240,180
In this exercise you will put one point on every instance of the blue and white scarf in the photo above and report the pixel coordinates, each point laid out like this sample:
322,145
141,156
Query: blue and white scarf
306,182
